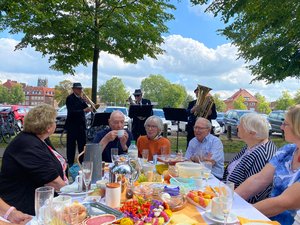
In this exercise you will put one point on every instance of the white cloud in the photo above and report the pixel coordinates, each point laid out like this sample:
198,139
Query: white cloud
185,61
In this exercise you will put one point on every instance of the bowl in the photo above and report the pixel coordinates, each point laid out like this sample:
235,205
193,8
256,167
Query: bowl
175,202
188,169
185,184
143,191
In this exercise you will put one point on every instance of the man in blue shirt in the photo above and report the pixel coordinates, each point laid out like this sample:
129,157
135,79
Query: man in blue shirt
108,138
206,147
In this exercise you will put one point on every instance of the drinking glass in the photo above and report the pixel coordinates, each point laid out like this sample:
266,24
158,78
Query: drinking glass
114,152
226,202
163,152
43,204
230,185
87,170
207,167
145,155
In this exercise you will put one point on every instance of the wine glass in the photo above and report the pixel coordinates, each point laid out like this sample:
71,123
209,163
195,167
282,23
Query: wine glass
226,202
87,171
207,167
114,152
145,155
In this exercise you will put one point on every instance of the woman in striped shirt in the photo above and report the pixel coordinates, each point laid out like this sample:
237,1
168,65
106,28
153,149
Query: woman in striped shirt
254,131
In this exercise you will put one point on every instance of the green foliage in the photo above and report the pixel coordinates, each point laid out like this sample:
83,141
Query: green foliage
265,32
262,106
220,104
297,97
62,90
113,91
75,32
285,101
158,89
17,95
188,99
239,103
4,94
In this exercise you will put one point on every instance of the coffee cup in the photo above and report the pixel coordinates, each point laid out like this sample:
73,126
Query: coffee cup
120,133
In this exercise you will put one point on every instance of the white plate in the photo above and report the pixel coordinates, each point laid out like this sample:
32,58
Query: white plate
255,223
231,218
76,193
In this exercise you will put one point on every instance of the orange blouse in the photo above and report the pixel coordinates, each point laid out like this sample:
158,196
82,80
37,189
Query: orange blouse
154,146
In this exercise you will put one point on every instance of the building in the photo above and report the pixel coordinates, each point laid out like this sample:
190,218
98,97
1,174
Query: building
250,100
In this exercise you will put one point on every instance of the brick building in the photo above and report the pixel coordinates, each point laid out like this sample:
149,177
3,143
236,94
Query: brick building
250,100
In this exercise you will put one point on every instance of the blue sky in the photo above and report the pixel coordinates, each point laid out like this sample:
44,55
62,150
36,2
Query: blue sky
194,53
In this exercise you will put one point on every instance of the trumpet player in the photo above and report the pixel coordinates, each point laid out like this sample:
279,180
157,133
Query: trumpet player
76,122
192,107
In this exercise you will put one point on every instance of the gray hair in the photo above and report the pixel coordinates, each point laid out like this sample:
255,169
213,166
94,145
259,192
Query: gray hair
256,123
208,123
158,122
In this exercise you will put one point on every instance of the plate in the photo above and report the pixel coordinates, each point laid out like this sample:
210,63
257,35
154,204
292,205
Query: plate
196,204
76,193
231,218
255,223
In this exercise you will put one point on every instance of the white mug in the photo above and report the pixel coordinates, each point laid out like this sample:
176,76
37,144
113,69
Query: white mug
120,133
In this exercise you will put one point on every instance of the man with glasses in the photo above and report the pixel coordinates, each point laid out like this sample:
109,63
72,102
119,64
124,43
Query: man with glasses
114,137
205,147
137,121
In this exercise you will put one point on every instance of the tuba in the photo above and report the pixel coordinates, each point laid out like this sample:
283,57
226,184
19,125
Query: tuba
203,102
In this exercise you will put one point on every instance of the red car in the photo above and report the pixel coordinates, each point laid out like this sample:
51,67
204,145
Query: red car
19,112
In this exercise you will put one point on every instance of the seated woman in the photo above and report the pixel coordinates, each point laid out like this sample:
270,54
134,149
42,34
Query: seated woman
28,162
284,171
254,131
11,214
153,140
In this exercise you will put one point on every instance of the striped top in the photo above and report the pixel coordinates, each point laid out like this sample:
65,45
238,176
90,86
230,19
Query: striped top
249,165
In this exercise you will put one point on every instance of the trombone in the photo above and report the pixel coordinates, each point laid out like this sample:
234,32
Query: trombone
93,105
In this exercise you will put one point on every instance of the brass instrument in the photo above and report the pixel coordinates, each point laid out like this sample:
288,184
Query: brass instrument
93,105
204,103
131,101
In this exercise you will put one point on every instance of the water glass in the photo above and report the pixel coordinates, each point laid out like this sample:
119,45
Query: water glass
87,171
43,204
114,152
145,155
164,152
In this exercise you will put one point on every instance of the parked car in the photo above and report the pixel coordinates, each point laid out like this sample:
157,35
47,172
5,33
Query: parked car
19,112
276,118
220,120
232,119
160,113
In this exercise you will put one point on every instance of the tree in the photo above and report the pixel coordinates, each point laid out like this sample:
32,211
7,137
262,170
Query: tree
159,90
297,97
220,104
239,103
265,32
188,99
284,101
113,91
62,90
17,95
4,94
75,32
262,106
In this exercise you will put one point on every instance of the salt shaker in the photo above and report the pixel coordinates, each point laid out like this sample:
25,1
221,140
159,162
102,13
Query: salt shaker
113,195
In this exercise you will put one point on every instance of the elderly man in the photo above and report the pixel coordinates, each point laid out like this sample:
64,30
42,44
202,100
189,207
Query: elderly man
206,147
108,138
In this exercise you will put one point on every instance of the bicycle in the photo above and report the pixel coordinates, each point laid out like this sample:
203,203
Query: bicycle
5,130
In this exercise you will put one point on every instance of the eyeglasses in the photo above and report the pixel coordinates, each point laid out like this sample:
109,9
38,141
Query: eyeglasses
200,128
284,124
137,96
151,126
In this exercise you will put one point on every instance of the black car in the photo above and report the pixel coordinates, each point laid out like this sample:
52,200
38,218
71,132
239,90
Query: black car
276,118
220,118
232,119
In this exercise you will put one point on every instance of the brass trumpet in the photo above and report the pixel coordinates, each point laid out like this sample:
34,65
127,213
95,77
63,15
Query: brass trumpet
93,105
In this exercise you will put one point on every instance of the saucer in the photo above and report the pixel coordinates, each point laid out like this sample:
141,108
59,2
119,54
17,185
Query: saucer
231,218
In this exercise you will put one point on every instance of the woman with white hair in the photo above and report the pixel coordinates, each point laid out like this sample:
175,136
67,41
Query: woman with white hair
153,140
254,131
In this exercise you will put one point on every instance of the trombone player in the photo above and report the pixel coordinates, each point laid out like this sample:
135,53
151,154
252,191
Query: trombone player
192,114
76,122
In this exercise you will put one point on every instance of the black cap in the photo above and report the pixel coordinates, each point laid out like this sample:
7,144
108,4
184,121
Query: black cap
77,85
137,92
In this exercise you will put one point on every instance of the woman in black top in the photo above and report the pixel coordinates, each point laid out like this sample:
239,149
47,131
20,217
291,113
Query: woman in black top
28,162
254,131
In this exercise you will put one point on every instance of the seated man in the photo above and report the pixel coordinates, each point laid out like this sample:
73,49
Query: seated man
206,147
108,138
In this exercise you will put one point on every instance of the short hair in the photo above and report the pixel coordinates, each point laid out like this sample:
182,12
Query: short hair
293,114
256,123
158,122
208,123
39,119
115,112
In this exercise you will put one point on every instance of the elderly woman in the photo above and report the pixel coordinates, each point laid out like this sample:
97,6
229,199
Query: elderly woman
153,140
28,162
254,131
284,171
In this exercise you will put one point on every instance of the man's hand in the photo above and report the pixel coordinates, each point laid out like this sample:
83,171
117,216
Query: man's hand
123,140
88,109
195,108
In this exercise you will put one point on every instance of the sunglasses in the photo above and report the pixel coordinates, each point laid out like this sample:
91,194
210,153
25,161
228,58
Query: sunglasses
137,95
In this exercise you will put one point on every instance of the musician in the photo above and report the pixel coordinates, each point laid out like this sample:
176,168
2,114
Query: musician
76,122
138,122
192,107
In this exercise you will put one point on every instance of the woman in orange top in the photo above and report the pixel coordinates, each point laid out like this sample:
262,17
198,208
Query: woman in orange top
153,140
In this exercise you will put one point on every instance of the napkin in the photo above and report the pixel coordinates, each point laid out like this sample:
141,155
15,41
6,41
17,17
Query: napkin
245,221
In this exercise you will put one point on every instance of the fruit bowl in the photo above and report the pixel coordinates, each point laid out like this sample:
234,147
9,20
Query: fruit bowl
200,199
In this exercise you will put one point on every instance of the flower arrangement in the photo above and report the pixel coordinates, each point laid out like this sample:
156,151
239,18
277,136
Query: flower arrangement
145,212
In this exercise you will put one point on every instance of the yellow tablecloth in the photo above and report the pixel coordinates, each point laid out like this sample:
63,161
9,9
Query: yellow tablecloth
189,215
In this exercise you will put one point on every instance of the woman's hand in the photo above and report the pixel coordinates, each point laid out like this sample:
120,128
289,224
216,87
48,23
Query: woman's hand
18,217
